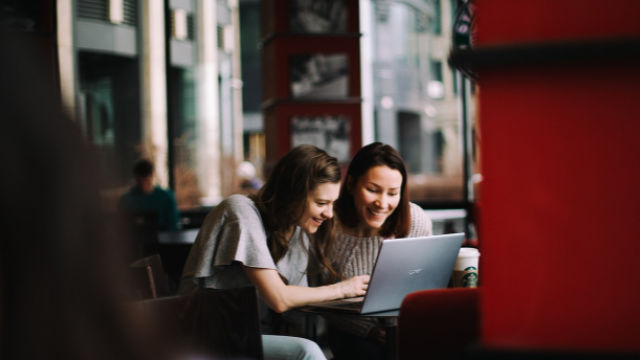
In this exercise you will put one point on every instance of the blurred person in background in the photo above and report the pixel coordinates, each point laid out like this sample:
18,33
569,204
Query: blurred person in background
146,197
249,181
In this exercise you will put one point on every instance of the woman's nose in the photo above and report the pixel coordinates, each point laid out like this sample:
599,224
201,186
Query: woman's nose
381,201
328,212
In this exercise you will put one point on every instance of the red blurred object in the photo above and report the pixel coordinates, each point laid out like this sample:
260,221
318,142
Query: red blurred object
438,324
561,175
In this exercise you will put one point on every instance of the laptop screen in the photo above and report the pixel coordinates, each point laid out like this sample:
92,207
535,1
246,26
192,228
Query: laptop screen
410,264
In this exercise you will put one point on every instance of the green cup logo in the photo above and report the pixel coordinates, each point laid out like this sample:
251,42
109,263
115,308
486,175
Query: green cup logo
465,269
470,277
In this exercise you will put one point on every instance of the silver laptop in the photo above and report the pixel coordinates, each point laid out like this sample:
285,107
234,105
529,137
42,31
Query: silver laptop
403,266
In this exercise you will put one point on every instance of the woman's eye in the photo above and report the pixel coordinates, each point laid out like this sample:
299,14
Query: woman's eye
393,194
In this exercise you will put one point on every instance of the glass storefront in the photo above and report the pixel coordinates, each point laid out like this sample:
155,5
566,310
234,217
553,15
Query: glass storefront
184,137
416,101
109,102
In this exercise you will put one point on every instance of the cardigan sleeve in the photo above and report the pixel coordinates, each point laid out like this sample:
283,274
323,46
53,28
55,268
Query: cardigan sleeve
420,222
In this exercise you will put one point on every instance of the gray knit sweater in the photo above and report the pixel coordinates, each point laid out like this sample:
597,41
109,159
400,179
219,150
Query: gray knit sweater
357,255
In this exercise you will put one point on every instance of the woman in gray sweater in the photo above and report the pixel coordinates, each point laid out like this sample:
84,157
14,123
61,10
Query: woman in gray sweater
373,205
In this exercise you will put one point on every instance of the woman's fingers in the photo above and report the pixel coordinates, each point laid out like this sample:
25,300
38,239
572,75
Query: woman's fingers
362,284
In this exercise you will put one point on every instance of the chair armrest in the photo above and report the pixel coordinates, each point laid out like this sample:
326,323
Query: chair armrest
438,323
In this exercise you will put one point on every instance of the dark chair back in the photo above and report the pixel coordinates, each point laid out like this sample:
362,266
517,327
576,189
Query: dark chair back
149,278
438,324
142,229
218,324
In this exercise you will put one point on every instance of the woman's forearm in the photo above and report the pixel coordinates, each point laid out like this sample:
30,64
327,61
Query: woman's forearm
281,297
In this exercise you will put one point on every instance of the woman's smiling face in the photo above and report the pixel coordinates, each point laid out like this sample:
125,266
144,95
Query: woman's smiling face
319,206
376,194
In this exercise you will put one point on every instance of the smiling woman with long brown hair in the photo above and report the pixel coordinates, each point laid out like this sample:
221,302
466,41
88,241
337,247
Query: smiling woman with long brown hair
373,205
264,241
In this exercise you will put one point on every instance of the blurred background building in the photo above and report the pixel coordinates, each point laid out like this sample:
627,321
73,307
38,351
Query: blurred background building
179,81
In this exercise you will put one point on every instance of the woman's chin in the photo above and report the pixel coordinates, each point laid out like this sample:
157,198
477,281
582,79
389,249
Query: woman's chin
375,224
311,229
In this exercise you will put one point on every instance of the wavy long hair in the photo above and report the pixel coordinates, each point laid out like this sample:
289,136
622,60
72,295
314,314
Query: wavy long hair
375,154
283,199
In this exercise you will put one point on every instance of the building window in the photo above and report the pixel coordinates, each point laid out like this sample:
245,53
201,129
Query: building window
436,23
110,103
414,112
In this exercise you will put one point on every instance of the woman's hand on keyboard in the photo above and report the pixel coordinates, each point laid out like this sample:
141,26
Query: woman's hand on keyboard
355,286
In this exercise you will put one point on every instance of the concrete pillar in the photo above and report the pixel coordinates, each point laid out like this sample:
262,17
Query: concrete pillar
208,153
238,149
66,57
154,86
366,70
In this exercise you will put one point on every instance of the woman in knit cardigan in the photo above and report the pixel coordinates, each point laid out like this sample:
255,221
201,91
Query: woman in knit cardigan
373,205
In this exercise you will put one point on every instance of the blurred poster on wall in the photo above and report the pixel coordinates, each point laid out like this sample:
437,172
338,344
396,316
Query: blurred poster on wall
317,16
319,76
328,132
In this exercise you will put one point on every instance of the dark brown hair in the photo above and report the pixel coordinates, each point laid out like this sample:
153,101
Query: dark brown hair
375,154
143,168
282,199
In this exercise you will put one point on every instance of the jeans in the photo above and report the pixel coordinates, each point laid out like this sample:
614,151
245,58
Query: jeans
277,347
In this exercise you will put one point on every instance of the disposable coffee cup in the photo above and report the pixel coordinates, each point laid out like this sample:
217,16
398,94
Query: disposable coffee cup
465,271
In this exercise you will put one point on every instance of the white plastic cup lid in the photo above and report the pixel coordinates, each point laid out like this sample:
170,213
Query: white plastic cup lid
467,257
468,252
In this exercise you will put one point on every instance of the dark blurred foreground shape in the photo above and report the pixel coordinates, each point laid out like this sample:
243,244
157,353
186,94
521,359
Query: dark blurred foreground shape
65,281
220,324
63,278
